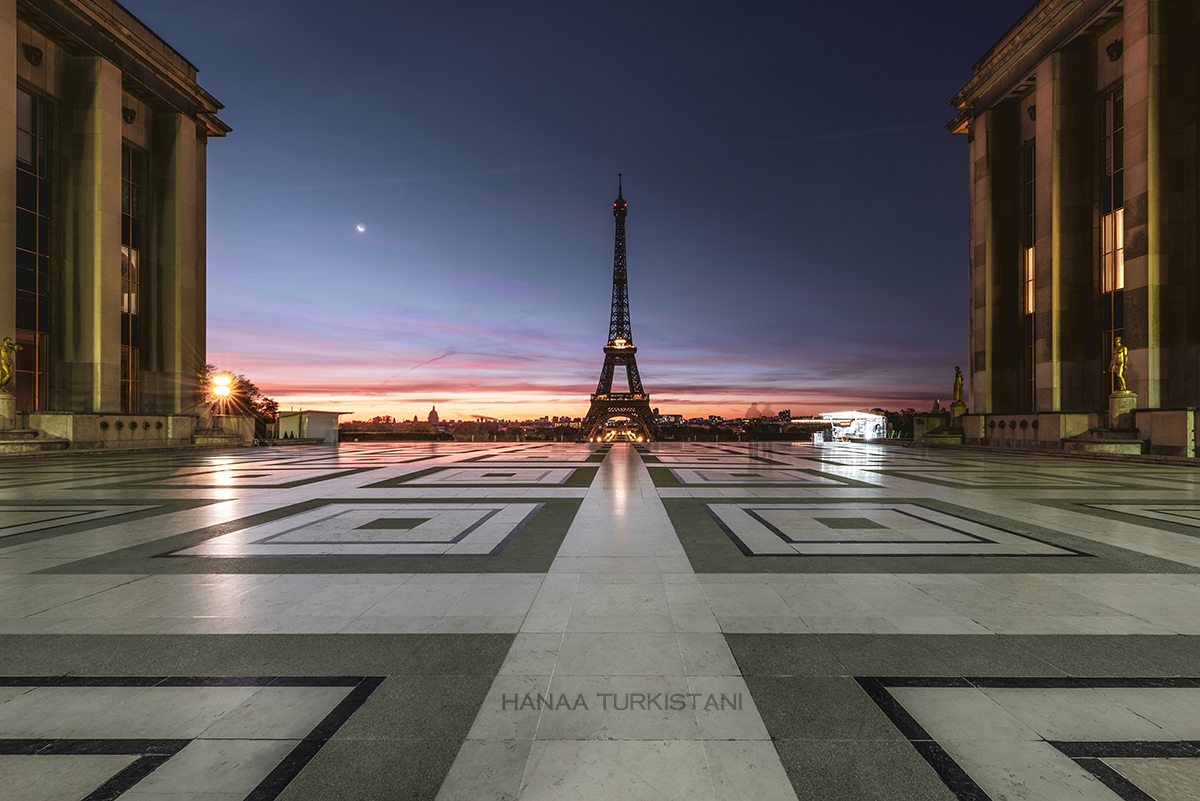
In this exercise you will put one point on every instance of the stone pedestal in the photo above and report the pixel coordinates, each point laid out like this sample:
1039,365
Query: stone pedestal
957,410
1120,409
8,411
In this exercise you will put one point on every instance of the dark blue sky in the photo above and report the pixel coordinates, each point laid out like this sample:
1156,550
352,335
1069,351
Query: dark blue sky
797,212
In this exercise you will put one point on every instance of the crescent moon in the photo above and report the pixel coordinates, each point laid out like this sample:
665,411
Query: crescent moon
361,228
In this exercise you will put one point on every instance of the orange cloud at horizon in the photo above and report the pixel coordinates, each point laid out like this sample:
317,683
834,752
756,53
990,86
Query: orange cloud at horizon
404,368
523,407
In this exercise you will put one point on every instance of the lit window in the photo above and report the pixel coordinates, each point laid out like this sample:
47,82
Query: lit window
1112,195
1112,235
1030,261
1112,223
1030,227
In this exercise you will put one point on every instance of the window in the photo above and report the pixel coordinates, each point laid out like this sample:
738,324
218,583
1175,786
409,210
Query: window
1112,220
1112,249
1112,195
132,175
33,252
1027,272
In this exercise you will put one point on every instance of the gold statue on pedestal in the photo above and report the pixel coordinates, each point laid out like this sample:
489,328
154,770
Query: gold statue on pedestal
8,352
1120,357
958,384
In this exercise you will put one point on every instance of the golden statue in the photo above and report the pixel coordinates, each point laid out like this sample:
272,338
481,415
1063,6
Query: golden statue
1120,357
958,382
8,352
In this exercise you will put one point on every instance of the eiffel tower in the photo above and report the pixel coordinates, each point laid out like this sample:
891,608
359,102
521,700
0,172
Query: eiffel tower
620,350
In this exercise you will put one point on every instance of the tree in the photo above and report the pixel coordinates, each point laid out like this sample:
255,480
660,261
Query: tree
901,422
241,396
467,431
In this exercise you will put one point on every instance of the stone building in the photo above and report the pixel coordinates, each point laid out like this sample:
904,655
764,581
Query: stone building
1081,124
103,285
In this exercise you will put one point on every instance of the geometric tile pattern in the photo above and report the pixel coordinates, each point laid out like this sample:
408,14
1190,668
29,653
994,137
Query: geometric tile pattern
1187,514
627,587
139,738
18,519
348,529
559,455
496,475
251,478
991,479
866,529
1051,738
753,475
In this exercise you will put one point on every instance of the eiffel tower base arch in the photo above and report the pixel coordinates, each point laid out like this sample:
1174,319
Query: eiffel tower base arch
634,407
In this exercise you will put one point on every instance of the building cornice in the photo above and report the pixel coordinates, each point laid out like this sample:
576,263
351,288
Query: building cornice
151,69
1007,67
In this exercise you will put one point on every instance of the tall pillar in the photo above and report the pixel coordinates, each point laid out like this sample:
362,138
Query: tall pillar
995,185
1065,230
88,341
1156,196
979,278
8,168
1145,184
172,338
196,287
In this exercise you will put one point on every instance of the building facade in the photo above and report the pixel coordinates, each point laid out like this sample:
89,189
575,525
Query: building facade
1081,124
102,251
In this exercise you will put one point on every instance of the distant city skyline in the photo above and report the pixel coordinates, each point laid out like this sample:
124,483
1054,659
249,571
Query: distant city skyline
414,206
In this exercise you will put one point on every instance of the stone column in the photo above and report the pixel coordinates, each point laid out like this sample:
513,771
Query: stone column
1145,187
1065,232
993,283
980,310
174,303
88,336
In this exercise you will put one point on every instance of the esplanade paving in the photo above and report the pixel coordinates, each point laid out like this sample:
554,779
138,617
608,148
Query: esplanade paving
572,621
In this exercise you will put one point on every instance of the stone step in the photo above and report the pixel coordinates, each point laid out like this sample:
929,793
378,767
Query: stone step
216,436
28,440
942,438
18,434
1109,434
1107,440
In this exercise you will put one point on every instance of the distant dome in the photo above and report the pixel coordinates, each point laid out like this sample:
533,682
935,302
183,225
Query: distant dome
433,416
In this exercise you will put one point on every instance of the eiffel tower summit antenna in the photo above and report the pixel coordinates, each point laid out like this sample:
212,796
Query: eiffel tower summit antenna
634,405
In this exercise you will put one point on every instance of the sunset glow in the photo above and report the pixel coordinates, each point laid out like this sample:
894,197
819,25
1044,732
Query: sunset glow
444,234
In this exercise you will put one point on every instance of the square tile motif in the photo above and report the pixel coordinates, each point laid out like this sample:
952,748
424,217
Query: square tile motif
249,477
21,519
866,529
348,529
1000,479
111,737
495,475
756,475
536,458
1187,514
701,460
1051,738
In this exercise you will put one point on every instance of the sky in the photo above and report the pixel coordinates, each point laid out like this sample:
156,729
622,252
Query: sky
797,226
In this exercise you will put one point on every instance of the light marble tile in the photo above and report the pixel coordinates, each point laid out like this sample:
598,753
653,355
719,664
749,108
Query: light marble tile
490,769
620,654
633,771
